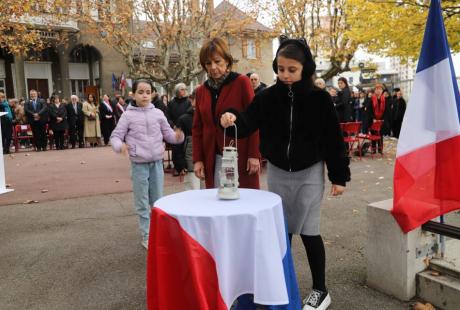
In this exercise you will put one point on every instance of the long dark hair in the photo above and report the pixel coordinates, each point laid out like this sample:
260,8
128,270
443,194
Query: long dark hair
345,81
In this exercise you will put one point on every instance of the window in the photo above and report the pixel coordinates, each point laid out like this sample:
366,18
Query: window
77,87
148,44
252,49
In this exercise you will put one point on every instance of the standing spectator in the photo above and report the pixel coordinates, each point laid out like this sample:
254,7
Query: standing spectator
129,99
107,117
75,119
357,106
257,85
120,107
342,105
399,109
6,123
157,102
37,115
320,83
377,109
388,117
185,123
143,141
58,121
165,100
92,127
223,90
178,106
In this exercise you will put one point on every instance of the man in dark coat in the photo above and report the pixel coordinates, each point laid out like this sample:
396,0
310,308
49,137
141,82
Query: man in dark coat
178,106
75,120
257,85
157,102
36,111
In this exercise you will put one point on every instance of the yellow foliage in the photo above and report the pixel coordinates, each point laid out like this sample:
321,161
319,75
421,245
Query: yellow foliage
392,30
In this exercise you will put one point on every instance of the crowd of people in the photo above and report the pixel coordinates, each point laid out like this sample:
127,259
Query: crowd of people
62,123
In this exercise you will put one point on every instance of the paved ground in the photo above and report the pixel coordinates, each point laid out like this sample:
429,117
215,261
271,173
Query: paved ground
84,252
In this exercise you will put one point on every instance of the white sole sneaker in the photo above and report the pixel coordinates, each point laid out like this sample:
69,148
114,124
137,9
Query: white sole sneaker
145,244
324,305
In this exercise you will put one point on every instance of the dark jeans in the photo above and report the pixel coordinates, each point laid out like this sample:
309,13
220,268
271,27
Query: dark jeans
39,133
76,134
59,139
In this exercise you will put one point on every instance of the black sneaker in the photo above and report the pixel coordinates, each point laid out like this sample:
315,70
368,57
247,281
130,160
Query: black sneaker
317,300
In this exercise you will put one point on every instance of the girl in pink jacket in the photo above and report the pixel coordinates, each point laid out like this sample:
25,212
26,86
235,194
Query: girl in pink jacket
140,133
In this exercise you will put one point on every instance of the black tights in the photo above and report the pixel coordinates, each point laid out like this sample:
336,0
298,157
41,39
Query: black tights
316,254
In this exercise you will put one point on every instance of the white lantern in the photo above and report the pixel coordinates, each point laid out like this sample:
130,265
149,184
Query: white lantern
228,188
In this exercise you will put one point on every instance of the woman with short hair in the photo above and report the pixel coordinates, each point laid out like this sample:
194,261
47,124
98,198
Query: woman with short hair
223,90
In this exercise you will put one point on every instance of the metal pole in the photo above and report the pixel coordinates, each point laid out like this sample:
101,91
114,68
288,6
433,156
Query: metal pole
442,239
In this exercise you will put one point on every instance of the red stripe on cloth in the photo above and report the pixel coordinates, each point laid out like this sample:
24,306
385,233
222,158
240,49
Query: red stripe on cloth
181,274
426,183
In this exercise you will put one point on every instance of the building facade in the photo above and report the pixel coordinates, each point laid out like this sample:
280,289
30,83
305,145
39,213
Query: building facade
83,64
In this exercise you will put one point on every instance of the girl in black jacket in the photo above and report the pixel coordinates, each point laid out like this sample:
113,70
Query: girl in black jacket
299,131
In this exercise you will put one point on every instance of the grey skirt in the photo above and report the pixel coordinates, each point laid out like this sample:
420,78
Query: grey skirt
301,193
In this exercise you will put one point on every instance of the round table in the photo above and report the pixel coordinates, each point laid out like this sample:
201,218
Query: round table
205,252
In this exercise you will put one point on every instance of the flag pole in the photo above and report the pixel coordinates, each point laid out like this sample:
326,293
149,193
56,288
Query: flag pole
442,240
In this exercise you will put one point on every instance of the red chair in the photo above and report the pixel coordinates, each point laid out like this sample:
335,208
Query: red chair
350,136
374,135
21,132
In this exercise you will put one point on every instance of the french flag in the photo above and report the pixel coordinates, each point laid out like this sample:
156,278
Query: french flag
427,169
188,260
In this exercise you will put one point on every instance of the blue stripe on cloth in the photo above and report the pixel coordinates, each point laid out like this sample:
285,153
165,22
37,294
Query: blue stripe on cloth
435,47
245,302
291,282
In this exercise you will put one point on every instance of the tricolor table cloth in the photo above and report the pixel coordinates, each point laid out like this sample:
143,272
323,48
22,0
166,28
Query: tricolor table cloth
205,252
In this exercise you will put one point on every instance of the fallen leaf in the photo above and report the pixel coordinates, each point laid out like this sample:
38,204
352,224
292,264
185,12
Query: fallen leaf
30,201
381,178
328,242
27,154
82,162
44,191
362,181
426,261
337,236
435,273
365,171
12,156
420,306
117,181
355,211
17,165
371,172
7,185
378,183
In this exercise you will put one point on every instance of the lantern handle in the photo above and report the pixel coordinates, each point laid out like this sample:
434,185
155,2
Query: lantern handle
236,137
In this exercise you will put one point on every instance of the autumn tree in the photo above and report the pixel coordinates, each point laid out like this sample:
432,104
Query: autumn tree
19,32
324,24
395,28
160,40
